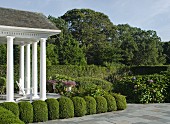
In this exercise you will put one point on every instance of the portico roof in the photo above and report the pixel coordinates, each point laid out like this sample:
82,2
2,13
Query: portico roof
25,26
18,18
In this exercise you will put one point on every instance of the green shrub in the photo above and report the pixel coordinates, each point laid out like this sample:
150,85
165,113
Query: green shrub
53,108
143,89
120,101
79,106
111,103
66,108
25,112
7,117
90,105
12,107
2,85
40,111
101,104
87,82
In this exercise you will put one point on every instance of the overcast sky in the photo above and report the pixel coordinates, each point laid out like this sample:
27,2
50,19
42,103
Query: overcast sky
145,14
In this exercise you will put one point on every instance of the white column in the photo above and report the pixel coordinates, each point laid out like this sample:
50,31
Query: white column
28,69
10,70
34,70
43,68
21,79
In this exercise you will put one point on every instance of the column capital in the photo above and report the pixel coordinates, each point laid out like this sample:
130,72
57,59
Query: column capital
10,37
43,39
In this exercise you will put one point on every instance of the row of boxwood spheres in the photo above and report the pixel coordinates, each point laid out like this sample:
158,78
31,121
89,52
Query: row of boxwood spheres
64,107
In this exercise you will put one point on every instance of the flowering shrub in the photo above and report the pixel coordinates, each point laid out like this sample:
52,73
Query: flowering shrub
143,89
60,84
69,83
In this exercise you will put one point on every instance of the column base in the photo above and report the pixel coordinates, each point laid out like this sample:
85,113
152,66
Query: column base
9,101
43,99
35,97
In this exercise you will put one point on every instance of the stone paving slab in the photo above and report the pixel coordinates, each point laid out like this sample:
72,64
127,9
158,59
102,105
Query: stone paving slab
134,114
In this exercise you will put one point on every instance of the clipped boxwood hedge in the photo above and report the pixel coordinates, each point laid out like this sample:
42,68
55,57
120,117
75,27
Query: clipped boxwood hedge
120,101
7,117
40,111
25,112
101,104
53,108
90,105
12,106
66,108
79,106
111,103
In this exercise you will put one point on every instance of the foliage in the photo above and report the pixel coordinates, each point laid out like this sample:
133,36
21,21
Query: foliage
101,104
52,56
25,112
11,106
53,108
3,54
166,51
140,47
66,108
148,70
111,103
120,101
79,106
68,48
95,33
141,89
75,71
61,82
90,105
7,117
87,86
85,82
2,85
40,111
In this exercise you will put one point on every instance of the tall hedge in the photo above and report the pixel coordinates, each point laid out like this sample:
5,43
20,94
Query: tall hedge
90,105
40,111
53,108
79,106
12,106
111,103
7,117
26,112
80,71
66,108
101,104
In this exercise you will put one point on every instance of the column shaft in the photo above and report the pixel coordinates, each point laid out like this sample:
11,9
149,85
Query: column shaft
34,70
21,80
43,69
10,70
28,69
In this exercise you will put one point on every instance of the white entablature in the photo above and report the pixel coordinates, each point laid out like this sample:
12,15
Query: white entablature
25,35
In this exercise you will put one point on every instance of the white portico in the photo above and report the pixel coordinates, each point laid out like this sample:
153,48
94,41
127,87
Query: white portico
25,29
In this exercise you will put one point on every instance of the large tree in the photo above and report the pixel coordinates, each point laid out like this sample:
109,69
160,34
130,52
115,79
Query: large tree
140,47
68,48
95,33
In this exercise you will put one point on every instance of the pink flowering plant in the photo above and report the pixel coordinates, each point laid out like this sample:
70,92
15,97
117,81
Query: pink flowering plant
69,83
64,85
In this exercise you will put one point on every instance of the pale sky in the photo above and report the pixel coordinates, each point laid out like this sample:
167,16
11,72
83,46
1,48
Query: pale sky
145,14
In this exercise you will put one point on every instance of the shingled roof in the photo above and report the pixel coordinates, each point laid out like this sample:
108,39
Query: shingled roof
18,18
